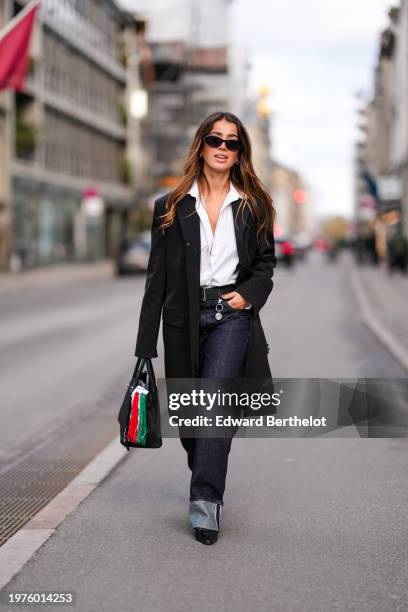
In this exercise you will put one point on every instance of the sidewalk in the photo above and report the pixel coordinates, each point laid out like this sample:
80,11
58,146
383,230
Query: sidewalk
295,533
383,300
54,275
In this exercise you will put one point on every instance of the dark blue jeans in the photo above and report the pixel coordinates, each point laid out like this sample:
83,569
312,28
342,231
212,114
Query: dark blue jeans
223,347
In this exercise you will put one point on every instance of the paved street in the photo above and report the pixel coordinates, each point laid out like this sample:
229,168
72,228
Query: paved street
61,346
64,351
315,329
308,524
387,294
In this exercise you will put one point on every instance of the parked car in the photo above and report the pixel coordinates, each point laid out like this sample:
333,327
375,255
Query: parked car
133,255
302,245
284,250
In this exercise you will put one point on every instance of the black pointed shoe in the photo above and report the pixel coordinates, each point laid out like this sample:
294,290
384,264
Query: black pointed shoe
205,536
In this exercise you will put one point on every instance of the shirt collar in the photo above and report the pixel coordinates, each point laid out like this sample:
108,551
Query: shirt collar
232,195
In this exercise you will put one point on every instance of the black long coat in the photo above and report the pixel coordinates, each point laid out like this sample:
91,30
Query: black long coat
173,281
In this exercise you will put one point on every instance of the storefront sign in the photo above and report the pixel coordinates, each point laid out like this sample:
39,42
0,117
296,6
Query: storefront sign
92,203
389,187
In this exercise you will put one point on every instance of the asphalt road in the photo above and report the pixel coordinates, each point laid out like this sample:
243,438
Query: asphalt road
64,352
308,524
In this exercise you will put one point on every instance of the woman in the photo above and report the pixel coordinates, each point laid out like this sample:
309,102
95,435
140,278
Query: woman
210,268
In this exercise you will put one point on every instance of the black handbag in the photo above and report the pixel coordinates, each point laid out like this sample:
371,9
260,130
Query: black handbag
140,410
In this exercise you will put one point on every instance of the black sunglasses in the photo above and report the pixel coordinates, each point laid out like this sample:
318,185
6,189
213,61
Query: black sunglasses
216,141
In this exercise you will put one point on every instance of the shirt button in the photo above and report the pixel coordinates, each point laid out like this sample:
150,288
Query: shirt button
187,244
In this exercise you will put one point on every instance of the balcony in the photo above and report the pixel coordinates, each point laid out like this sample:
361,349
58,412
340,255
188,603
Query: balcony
68,24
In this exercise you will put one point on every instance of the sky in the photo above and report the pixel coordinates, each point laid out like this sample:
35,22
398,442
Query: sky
314,56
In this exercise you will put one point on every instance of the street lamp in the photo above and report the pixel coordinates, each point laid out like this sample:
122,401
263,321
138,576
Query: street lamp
138,103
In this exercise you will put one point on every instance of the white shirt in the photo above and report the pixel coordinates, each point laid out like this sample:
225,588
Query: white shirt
219,255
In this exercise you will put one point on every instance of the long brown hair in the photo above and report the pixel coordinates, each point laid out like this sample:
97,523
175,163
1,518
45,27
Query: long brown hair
242,175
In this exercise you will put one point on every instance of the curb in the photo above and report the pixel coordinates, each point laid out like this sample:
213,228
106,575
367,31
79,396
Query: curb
54,276
397,350
22,546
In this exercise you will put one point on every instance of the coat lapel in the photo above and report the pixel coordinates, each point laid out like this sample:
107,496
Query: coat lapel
190,226
242,227
189,221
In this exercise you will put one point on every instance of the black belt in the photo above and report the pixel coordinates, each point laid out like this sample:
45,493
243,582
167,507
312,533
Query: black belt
209,293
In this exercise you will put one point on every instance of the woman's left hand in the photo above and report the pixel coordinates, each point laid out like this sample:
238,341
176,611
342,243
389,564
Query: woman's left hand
235,300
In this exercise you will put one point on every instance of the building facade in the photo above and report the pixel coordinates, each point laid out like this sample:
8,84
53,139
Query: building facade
399,138
70,181
379,153
195,72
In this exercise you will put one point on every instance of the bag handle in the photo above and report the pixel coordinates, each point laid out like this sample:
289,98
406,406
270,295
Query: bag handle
141,362
138,368
150,371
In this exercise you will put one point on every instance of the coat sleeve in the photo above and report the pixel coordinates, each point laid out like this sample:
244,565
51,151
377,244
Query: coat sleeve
154,292
257,288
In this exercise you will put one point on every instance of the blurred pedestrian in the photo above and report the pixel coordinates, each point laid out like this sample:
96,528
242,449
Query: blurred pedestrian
371,248
397,251
333,250
211,265
359,249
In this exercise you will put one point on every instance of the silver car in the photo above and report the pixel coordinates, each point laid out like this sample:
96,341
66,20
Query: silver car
133,255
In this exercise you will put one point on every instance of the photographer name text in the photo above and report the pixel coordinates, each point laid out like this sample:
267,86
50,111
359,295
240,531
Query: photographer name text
259,421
